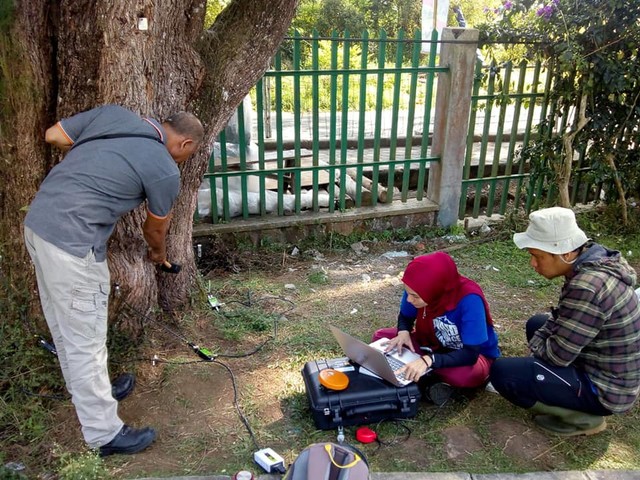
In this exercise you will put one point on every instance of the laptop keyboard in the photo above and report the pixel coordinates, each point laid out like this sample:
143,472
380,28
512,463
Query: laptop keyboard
395,364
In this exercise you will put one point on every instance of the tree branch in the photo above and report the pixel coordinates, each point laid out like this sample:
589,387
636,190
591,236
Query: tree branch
564,171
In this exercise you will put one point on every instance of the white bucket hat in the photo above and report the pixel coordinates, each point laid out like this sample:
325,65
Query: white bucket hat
553,230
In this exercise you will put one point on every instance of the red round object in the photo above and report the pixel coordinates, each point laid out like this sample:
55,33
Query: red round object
366,435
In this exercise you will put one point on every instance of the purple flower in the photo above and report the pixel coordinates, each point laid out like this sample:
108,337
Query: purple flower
545,12
508,5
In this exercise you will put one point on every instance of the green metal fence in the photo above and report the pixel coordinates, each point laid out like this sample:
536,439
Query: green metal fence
332,130
344,122
510,105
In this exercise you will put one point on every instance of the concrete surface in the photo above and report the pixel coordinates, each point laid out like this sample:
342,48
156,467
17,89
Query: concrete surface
562,475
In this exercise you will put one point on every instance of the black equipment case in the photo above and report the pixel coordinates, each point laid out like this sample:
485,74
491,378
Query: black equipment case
366,399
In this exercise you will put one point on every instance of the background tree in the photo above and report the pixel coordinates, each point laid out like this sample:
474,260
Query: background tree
325,16
214,7
474,13
592,47
358,15
394,15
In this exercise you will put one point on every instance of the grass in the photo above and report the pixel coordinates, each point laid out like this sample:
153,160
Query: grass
502,270
256,301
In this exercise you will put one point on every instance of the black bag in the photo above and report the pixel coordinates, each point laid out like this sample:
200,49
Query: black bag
366,400
329,461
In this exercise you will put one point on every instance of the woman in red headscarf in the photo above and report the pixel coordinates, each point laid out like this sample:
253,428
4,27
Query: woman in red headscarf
445,318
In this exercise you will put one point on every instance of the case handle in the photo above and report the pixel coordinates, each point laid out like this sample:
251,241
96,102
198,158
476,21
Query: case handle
370,408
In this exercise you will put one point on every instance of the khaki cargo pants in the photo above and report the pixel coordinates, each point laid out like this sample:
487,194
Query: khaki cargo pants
74,294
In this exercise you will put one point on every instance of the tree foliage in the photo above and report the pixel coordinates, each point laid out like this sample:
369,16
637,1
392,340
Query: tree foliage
214,7
328,15
389,15
356,16
592,46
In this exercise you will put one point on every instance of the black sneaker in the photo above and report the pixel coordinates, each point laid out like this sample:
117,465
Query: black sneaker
129,440
440,393
122,386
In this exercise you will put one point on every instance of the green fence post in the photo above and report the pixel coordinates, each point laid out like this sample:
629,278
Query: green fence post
279,134
297,176
333,122
260,87
502,100
344,123
426,118
362,107
315,115
377,133
413,86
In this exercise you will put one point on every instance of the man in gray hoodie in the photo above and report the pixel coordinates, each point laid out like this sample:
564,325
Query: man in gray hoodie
585,354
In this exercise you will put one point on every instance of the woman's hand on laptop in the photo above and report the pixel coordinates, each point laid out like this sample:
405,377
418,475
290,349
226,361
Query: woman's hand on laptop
402,340
414,370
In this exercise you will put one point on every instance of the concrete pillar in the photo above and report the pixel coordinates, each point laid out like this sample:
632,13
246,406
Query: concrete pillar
451,120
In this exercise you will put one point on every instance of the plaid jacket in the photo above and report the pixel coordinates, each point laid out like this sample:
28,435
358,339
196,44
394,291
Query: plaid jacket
596,327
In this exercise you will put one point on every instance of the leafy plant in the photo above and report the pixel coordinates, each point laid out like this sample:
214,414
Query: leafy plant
592,48
29,377
87,466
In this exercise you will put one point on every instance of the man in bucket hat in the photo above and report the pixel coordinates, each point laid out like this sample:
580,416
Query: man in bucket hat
585,354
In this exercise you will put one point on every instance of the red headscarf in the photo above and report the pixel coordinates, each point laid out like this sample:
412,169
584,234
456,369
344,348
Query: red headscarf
435,278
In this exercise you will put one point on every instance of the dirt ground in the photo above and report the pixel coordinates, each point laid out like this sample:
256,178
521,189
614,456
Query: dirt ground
201,433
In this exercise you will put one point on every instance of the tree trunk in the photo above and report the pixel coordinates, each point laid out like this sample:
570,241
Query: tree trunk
104,57
25,100
235,51
565,167
622,195
625,131
83,54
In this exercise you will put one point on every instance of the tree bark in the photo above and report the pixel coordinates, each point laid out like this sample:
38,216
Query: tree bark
82,54
25,80
104,57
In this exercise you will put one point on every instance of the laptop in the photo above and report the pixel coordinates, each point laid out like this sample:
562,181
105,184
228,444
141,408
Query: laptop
373,358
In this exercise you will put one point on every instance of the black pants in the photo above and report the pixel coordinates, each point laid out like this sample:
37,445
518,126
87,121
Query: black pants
527,380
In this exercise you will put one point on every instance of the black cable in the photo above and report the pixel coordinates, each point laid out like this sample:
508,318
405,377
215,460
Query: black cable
242,355
156,322
400,421
381,443
131,360
235,403
206,356
156,360
395,441
250,304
